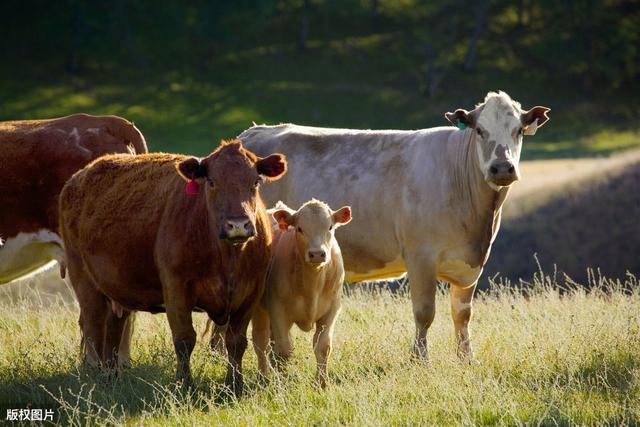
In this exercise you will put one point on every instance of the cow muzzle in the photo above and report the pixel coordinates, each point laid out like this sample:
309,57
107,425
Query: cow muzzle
503,174
237,230
317,257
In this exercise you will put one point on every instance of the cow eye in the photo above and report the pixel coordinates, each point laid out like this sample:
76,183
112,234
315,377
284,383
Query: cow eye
330,227
210,182
479,131
300,230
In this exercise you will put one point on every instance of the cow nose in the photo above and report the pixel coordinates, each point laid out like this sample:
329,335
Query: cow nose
503,173
504,168
238,228
317,256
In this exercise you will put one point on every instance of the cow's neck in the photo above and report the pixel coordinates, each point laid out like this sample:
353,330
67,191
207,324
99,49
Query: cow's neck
480,204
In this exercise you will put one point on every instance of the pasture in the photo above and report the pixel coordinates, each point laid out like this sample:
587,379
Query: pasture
546,356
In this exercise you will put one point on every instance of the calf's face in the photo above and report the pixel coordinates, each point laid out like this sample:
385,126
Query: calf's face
315,224
499,124
230,178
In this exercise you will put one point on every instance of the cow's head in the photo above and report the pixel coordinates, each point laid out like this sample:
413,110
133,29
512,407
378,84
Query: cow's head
499,123
230,178
315,224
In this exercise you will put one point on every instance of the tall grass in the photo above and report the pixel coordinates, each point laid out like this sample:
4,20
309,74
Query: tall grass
547,355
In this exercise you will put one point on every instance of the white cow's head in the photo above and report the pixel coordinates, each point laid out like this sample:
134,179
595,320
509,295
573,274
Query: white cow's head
499,123
315,224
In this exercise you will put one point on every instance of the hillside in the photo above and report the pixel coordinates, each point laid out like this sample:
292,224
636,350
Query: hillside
572,213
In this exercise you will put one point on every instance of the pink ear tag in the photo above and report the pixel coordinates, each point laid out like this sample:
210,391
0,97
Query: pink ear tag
192,187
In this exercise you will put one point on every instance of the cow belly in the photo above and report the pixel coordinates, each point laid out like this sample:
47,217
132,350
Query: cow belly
458,272
389,271
29,253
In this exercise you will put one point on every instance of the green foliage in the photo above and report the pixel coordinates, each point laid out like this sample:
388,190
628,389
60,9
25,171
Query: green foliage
190,74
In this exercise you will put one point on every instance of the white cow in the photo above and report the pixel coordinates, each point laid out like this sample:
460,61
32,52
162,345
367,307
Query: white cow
428,201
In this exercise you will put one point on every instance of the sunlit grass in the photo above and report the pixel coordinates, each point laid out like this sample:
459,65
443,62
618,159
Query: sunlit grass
546,356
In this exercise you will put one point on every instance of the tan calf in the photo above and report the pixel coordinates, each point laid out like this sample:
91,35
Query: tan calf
303,284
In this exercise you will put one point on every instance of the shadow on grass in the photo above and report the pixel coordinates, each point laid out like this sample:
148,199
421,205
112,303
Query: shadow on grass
91,395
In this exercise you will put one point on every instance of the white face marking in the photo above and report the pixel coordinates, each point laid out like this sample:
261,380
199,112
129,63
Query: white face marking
29,253
501,140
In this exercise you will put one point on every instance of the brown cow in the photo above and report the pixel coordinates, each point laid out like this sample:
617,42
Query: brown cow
136,241
37,157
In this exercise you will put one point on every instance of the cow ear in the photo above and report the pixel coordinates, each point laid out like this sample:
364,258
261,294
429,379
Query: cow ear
534,118
342,216
284,218
191,168
272,167
461,118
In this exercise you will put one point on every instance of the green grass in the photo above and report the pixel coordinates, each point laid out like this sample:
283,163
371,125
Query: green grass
546,357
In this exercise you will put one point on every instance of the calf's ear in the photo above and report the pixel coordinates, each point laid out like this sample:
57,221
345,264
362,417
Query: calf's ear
534,118
272,167
342,216
191,168
284,218
462,118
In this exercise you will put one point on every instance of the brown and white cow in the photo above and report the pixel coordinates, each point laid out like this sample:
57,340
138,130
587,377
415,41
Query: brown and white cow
36,158
428,201
135,240
304,283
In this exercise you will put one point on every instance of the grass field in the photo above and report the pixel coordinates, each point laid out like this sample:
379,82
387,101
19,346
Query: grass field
545,356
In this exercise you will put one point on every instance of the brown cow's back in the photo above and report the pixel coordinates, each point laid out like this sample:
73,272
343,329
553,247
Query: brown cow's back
37,158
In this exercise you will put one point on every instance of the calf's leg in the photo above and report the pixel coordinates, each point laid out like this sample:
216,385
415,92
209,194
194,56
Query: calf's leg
280,332
322,342
461,306
261,333
422,284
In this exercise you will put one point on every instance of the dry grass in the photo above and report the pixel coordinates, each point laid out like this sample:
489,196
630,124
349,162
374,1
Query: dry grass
572,213
546,356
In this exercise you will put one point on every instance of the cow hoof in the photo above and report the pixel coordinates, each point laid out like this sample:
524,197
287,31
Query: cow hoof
420,354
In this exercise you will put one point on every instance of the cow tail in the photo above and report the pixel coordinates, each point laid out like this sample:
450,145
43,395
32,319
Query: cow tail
130,134
136,139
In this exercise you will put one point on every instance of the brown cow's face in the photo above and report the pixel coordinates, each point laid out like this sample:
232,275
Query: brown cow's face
315,224
231,178
499,124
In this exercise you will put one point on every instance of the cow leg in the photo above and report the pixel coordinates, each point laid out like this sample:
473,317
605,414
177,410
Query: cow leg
184,336
236,342
124,353
461,301
422,284
322,342
218,333
261,335
114,330
93,317
281,335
